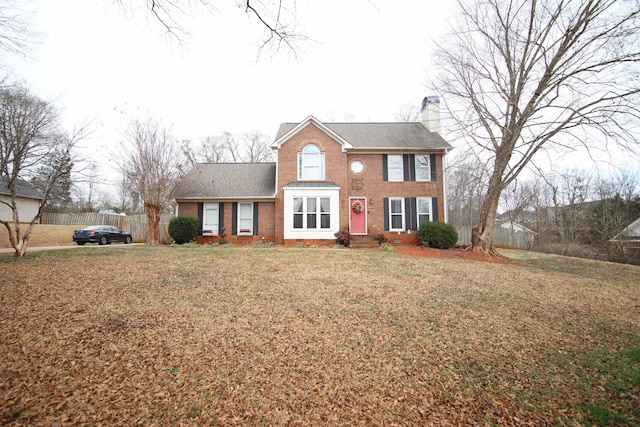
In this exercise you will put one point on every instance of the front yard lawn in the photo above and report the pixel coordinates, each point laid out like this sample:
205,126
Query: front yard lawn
199,335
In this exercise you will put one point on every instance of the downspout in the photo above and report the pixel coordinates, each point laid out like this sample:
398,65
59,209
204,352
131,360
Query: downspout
444,186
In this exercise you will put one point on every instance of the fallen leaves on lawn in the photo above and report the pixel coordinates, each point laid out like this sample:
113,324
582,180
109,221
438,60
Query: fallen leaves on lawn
247,336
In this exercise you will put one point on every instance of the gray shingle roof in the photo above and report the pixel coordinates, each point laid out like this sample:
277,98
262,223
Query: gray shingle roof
23,189
392,135
227,180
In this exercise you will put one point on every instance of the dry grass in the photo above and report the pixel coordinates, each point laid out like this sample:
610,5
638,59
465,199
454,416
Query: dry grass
43,235
249,336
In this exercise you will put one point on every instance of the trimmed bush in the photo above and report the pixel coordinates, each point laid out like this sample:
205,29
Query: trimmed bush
437,235
380,238
343,237
184,228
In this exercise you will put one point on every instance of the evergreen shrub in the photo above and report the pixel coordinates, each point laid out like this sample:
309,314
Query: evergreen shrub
437,235
184,228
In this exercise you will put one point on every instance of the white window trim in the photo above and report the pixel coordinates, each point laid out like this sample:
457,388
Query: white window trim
428,157
392,214
390,168
314,233
245,231
213,231
318,213
430,207
321,165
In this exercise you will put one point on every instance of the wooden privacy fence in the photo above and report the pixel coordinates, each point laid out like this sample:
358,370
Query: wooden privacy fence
134,224
501,237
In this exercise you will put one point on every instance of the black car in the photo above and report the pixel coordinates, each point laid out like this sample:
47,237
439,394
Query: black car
101,234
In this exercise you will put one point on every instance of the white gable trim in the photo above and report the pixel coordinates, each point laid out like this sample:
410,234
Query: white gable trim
311,120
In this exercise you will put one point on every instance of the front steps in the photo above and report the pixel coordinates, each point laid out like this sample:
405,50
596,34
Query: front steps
362,242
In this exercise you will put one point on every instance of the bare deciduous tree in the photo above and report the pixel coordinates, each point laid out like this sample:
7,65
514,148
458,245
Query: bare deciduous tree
250,147
256,148
466,187
520,76
16,33
150,161
30,137
277,18
408,114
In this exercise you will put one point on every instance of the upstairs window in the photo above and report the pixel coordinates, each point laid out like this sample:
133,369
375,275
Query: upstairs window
395,170
423,167
311,163
409,167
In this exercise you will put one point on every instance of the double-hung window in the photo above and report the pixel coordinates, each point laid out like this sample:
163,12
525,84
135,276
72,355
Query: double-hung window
210,218
408,167
423,167
395,169
245,218
396,214
311,163
311,212
423,210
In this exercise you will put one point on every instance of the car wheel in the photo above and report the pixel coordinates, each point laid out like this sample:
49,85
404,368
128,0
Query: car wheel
127,240
81,243
103,240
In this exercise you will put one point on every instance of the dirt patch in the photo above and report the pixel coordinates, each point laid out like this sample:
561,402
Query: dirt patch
457,253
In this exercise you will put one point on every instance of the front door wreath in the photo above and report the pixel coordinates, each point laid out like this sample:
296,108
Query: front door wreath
357,206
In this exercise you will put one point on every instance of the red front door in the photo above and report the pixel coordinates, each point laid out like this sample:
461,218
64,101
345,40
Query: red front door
358,215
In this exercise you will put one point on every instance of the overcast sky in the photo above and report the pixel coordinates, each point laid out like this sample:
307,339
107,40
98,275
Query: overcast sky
367,60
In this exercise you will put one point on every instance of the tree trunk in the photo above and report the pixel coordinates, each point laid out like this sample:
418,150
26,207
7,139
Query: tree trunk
18,238
153,219
482,235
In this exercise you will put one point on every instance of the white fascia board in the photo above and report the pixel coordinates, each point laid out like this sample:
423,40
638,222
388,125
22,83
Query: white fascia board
215,199
346,145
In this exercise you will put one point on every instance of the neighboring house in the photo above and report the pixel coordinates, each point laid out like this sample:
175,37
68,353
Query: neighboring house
629,241
364,177
514,226
28,200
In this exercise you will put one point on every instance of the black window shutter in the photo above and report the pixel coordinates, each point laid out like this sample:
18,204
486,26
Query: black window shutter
414,213
412,166
234,218
255,218
200,216
409,166
406,168
220,217
385,202
432,165
407,213
385,172
434,209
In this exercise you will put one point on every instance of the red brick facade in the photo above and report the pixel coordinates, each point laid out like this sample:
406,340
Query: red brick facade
368,184
275,215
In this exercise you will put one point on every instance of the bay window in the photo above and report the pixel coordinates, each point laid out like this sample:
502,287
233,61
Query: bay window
311,213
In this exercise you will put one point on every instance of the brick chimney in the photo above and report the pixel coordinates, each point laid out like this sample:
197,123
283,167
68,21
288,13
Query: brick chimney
431,113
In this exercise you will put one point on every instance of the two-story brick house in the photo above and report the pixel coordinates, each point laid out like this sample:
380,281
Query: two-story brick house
364,177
